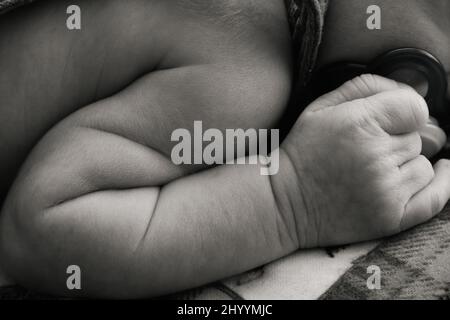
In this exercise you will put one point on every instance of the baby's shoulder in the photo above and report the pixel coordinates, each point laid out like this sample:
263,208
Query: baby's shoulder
230,54
232,32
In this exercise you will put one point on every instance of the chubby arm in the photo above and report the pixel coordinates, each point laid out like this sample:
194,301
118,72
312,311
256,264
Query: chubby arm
100,192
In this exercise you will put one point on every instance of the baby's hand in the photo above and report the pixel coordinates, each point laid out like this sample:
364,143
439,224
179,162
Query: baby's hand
359,173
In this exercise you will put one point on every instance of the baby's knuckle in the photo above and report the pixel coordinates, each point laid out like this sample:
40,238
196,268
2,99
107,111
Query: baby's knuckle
390,193
384,167
364,83
391,205
426,165
418,107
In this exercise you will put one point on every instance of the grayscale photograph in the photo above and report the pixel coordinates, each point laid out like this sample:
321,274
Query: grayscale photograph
224,155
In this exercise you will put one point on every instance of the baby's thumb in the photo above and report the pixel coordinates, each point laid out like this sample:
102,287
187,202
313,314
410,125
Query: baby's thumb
431,200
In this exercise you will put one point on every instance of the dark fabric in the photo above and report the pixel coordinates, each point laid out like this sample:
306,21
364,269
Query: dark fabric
19,293
6,5
306,19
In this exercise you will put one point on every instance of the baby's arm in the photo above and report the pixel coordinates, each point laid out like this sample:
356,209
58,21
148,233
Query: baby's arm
97,192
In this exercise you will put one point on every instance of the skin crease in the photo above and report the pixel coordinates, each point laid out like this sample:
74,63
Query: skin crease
111,194
216,31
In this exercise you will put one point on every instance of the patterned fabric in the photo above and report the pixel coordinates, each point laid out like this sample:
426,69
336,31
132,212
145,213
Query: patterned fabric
306,18
304,275
413,265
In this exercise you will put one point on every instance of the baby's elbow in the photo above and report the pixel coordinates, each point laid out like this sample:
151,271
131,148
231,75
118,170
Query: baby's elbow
25,247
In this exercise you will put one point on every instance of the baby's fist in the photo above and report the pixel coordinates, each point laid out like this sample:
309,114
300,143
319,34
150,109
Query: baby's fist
356,157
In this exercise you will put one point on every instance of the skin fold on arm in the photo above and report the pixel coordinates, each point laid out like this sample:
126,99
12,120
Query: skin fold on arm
116,206
100,191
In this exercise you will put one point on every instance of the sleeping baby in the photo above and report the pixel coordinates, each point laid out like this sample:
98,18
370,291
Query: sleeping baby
87,117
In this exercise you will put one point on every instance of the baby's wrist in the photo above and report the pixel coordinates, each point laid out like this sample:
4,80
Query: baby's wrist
287,191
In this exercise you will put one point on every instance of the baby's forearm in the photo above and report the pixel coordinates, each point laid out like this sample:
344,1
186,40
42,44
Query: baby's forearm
157,240
215,224
114,204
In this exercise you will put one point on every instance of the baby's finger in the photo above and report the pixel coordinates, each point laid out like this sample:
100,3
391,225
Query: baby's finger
433,139
431,200
358,88
398,112
428,141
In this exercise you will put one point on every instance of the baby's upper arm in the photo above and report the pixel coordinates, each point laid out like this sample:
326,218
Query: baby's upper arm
124,142
94,180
